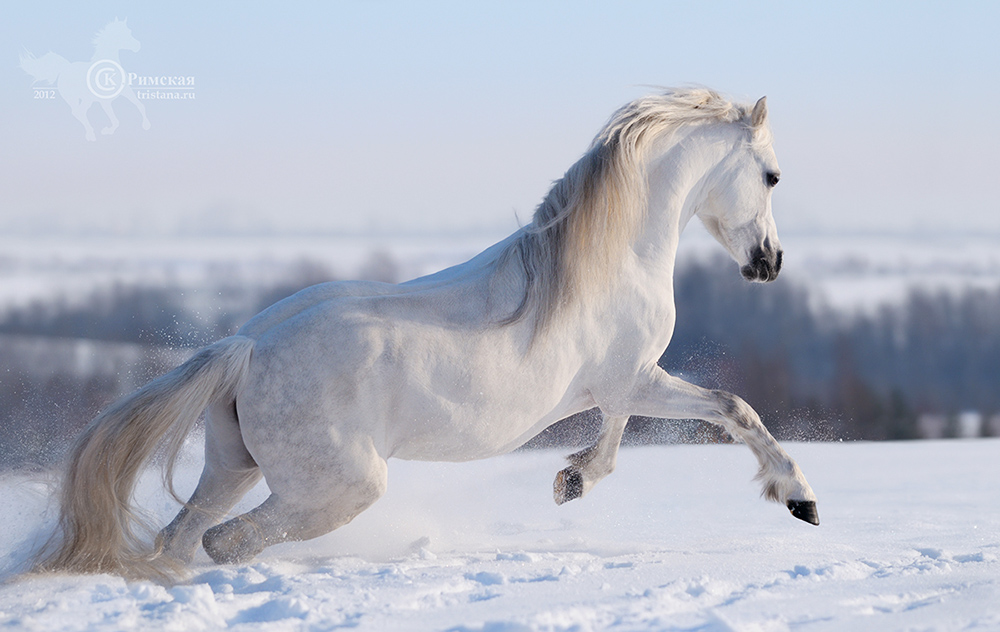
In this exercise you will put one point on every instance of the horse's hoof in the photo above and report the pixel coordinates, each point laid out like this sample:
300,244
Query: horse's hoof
568,485
804,510
232,542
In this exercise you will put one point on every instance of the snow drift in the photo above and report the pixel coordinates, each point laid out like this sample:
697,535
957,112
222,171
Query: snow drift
676,539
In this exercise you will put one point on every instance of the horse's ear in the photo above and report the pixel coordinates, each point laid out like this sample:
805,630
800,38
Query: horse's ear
759,114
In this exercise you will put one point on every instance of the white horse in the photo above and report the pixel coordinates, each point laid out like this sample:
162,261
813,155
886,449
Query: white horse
571,312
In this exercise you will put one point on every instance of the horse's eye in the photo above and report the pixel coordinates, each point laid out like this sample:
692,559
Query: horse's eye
772,178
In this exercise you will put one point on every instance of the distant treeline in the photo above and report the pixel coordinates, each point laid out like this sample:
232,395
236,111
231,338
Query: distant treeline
811,374
828,375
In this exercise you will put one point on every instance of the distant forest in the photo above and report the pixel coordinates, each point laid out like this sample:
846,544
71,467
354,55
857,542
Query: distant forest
812,375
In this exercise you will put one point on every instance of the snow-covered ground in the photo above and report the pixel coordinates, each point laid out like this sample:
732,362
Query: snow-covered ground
676,539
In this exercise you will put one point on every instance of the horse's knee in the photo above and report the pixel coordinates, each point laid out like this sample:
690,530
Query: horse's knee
735,410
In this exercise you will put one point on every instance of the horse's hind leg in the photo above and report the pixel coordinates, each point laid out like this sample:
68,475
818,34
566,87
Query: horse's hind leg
229,473
310,498
590,465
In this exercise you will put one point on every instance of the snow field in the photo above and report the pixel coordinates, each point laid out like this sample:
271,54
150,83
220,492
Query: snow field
675,539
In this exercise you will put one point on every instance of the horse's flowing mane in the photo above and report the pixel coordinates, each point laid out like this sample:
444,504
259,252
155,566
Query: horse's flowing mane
581,229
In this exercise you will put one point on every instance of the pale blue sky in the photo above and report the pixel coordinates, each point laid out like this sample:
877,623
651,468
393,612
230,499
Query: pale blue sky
454,116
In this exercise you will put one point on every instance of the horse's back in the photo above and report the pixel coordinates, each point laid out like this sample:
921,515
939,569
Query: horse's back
466,297
346,332
307,299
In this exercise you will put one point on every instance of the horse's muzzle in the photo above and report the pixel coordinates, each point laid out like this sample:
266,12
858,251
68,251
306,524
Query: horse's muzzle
764,265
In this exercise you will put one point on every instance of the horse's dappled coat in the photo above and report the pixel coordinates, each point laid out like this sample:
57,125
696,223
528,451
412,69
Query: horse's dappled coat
570,312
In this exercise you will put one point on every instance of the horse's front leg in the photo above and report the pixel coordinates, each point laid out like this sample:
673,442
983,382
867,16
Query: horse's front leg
659,394
591,464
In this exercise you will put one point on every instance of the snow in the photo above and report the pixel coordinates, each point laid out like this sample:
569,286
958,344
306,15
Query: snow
676,539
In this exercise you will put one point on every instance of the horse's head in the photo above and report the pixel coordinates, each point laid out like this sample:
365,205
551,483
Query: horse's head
736,208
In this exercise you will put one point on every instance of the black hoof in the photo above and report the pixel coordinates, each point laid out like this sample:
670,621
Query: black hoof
569,485
804,510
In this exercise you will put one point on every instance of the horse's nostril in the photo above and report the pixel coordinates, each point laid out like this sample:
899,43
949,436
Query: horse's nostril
764,265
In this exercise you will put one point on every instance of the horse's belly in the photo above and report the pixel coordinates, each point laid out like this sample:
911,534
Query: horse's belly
429,427
457,396
451,441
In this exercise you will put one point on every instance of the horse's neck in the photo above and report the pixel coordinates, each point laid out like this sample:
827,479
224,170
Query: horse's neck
639,305
676,174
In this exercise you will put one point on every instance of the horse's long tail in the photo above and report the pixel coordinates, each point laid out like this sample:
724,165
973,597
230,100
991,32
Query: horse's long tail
100,530
45,68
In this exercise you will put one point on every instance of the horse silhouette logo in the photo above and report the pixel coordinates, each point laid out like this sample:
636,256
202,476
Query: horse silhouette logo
101,80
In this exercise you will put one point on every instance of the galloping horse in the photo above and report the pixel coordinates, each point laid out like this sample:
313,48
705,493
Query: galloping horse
569,313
